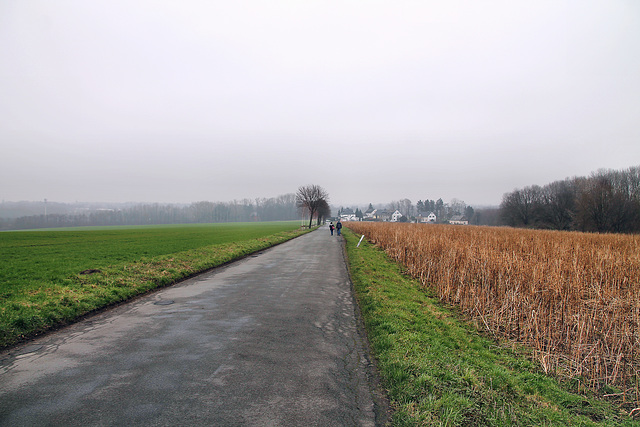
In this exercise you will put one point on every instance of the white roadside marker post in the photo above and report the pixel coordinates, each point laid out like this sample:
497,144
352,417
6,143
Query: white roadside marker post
360,241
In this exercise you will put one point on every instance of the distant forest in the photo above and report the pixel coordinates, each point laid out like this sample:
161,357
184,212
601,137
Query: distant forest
608,201
31,215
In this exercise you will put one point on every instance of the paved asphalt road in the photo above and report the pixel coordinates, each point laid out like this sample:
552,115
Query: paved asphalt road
271,340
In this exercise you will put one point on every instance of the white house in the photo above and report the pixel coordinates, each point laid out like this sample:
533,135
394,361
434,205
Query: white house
395,217
428,218
377,215
459,220
348,215
370,213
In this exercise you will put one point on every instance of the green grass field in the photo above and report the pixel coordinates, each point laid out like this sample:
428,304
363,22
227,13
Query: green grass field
438,370
40,282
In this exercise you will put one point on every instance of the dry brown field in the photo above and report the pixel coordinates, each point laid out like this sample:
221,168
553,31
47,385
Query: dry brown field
574,298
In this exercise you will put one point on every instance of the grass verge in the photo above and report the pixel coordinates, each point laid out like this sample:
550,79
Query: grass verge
52,292
439,371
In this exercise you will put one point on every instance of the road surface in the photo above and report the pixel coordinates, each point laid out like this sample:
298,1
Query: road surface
271,340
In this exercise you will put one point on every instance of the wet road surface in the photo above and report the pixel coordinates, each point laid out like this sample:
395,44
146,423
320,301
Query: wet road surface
271,340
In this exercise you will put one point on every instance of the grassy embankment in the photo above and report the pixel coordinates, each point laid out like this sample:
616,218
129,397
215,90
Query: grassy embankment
41,285
438,370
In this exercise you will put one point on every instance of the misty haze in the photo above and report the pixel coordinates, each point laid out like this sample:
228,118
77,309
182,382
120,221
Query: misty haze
179,103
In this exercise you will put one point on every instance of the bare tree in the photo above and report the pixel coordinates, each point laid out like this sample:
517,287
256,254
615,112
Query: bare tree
406,207
457,206
311,198
324,211
606,205
558,205
519,207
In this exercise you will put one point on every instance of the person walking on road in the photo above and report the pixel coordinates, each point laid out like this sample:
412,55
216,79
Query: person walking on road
331,227
338,227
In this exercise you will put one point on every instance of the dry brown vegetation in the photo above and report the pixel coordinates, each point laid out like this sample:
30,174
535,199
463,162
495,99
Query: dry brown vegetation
573,297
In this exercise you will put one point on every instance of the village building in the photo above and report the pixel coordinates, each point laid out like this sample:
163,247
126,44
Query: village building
348,215
459,220
395,216
428,218
370,213
382,215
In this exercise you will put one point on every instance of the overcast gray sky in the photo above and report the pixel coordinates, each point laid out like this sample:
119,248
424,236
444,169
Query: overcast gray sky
181,101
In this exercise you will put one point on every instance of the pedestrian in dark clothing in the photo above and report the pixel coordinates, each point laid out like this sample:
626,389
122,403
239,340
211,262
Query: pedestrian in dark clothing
338,226
331,227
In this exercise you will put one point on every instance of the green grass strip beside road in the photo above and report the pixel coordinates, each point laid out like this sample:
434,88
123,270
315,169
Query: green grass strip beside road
48,291
439,371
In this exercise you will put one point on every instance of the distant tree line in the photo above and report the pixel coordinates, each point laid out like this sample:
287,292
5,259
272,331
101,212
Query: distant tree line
606,201
261,209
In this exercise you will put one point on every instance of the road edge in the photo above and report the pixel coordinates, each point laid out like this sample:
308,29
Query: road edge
381,405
